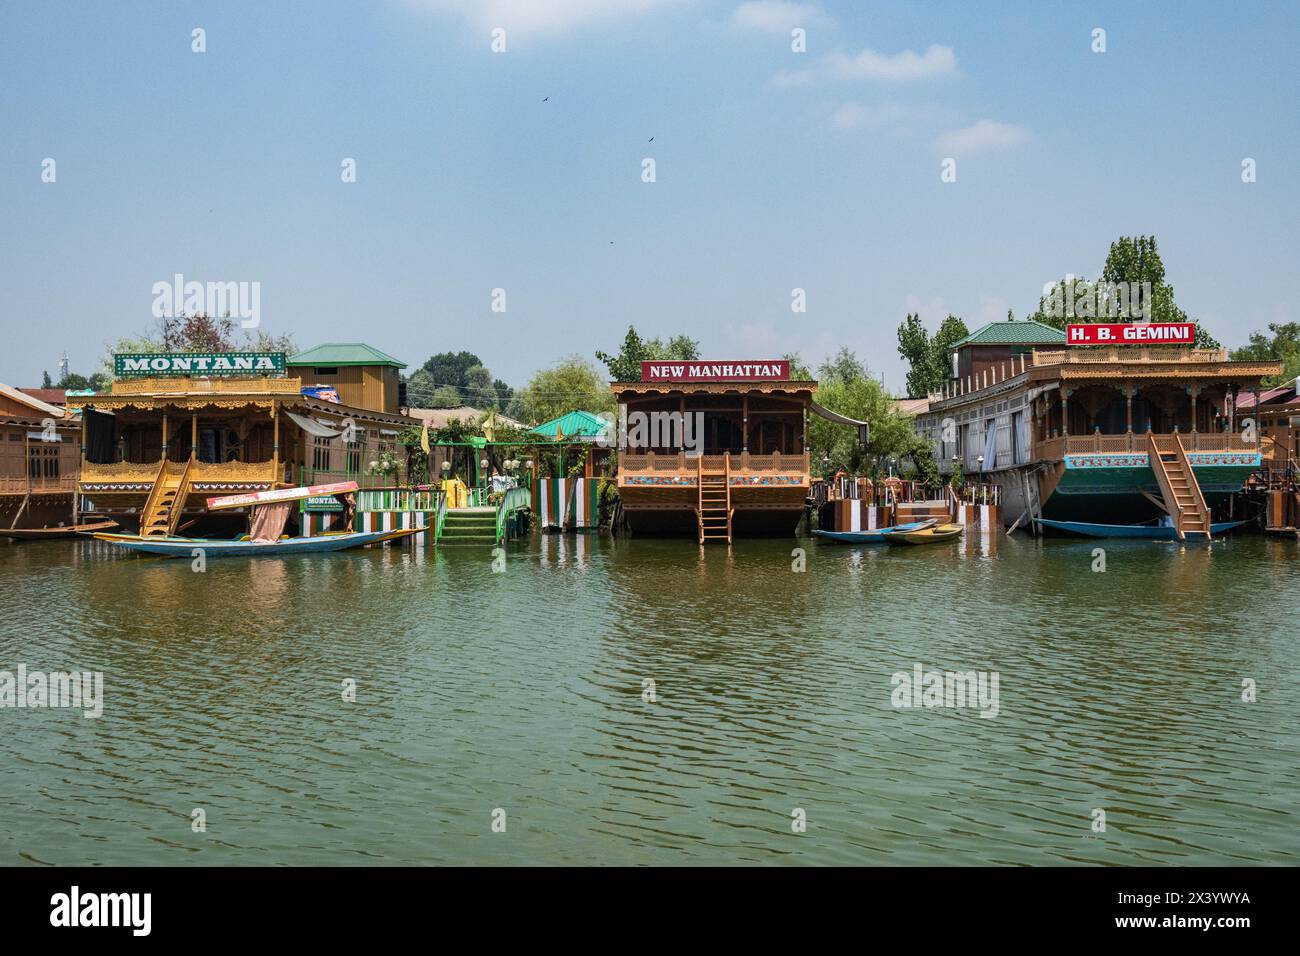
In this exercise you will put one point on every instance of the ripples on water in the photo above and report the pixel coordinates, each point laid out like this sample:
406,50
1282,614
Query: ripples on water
523,691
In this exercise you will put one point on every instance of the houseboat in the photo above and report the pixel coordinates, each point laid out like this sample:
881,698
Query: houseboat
715,449
176,429
38,465
1275,490
1109,434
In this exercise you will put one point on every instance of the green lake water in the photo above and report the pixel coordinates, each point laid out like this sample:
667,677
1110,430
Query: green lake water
522,691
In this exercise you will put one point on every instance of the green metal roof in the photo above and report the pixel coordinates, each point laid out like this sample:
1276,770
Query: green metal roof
573,425
344,353
1024,332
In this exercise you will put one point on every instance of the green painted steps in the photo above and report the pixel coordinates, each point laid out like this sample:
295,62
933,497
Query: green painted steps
470,526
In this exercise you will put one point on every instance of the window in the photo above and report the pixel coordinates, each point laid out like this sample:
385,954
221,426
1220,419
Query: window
43,461
325,370
355,450
320,454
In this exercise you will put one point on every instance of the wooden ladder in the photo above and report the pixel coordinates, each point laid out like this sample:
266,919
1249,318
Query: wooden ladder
1180,489
163,509
715,502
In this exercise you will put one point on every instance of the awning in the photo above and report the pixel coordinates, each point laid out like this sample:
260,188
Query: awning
312,427
864,429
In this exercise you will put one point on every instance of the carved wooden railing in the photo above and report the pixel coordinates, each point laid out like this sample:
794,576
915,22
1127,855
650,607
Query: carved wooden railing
1136,442
142,386
1128,354
737,463
119,471
233,471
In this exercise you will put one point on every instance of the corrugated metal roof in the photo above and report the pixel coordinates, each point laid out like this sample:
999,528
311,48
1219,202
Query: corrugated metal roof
577,424
1026,332
344,353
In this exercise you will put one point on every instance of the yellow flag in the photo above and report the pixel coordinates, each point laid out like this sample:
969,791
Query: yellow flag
489,426
424,438
559,433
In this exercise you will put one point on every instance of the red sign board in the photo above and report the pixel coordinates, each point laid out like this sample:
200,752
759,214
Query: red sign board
1131,333
772,370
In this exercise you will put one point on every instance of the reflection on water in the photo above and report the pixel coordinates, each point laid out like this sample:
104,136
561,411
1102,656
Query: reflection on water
524,690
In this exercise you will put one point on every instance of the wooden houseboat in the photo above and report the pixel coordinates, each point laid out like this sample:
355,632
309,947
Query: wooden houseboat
38,463
737,464
1118,434
176,429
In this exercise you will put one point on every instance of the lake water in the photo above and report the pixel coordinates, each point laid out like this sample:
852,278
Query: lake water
522,692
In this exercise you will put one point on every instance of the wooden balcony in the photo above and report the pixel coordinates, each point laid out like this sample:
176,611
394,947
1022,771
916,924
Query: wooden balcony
1054,449
132,472
195,386
683,469
1128,355
21,485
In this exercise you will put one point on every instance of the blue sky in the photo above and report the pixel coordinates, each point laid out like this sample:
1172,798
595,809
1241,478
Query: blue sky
775,170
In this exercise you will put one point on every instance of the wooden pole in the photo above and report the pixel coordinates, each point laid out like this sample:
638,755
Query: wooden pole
275,443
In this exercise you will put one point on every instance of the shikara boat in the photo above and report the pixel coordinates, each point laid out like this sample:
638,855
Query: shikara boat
872,537
243,547
66,531
943,532
1149,531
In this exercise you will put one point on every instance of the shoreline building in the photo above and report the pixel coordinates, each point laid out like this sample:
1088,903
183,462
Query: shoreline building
38,462
176,429
1115,434
715,449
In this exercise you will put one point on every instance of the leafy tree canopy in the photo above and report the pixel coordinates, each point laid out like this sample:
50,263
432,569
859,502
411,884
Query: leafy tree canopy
1131,259
449,379
929,359
845,385
626,366
1281,344
572,384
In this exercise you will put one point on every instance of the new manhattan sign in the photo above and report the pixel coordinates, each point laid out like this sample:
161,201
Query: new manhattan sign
774,370
128,364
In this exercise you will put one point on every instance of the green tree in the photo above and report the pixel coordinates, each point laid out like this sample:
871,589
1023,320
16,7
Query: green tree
846,386
449,379
1282,345
572,384
929,359
1131,259
626,365
45,380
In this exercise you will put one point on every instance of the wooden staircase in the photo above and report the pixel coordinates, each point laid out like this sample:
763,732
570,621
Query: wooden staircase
715,501
166,500
1179,488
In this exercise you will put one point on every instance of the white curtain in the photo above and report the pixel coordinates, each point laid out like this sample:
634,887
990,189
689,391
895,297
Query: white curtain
991,445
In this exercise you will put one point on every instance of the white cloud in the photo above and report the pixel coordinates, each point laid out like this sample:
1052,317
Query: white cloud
895,118
778,16
984,135
902,67
539,16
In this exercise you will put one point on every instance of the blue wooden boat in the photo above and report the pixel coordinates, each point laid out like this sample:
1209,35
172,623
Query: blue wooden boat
872,537
1150,531
213,547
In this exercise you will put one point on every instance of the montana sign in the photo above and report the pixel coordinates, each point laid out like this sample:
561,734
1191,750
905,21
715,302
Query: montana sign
198,363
